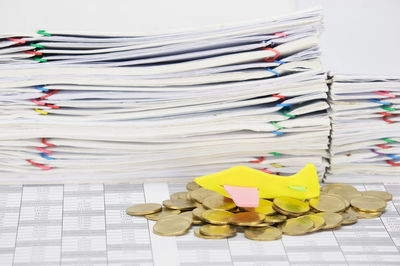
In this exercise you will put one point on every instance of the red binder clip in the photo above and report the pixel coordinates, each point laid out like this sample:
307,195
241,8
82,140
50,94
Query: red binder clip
271,59
46,143
42,166
258,161
18,41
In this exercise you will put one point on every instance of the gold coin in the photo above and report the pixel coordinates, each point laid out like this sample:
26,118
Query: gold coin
179,195
364,215
311,212
240,229
192,186
188,215
279,226
379,194
200,194
216,216
246,218
368,204
327,203
297,226
189,197
143,209
217,230
264,206
349,217
263,224
291,205
328,187
172,226
263,234
179,204
219,202
324,188
286,213
346,202
345,192
318,221
200,235
277,218
332,220
197,221
197,204
163,213
198,212
236,210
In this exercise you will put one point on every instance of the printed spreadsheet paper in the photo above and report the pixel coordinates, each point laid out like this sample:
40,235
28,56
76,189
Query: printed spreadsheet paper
87,225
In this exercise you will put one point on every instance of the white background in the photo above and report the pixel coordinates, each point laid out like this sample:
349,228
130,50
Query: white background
360,36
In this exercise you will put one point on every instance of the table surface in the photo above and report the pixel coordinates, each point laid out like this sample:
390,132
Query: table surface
86,224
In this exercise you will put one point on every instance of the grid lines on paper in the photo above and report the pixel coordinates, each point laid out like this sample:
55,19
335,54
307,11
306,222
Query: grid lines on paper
86,224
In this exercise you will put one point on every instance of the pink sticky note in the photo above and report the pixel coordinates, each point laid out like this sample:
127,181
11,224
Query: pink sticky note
243,196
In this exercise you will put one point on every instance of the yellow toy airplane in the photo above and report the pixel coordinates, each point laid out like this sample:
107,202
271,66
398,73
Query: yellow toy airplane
246,185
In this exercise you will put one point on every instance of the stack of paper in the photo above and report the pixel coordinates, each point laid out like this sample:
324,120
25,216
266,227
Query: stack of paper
164,106
365,141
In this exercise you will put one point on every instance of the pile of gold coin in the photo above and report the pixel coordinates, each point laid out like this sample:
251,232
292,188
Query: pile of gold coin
217,217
